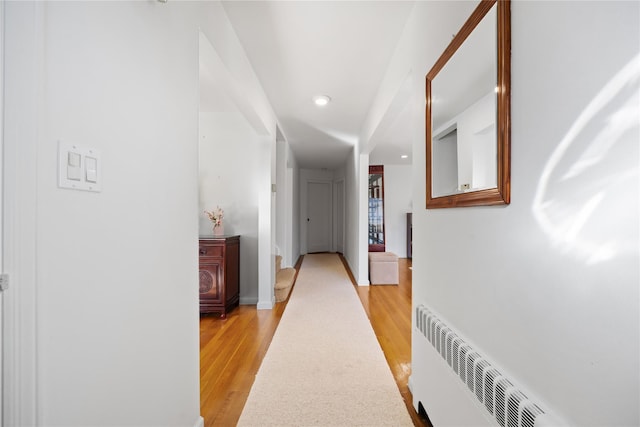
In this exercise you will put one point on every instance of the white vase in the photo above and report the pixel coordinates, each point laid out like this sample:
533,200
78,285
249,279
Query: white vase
218,230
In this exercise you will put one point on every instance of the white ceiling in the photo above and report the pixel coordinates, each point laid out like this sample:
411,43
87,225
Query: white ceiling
300,49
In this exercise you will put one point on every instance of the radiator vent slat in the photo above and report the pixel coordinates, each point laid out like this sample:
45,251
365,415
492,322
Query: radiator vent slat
436,338
443,342
529,413
450,338
504,401
492,375
424,324
472,357
480,373
513,408
462,360
503,388
456,354
432,328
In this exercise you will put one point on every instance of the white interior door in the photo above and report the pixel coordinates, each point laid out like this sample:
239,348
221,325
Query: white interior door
319,209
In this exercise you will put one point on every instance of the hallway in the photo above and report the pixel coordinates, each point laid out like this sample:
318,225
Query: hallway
231,350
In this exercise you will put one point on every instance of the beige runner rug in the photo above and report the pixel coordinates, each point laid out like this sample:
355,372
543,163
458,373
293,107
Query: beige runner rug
324,366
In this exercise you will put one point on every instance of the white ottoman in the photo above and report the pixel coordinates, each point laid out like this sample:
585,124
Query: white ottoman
383,268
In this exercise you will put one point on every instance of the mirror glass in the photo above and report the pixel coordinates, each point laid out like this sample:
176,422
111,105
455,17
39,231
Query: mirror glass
464,115
467,134
376,209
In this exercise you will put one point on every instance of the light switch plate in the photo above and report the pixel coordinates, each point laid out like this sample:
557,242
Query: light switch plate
85,179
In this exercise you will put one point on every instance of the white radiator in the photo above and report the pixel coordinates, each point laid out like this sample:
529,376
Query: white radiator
500,397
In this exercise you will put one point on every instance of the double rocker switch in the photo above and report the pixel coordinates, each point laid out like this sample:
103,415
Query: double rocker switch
79,168
74,167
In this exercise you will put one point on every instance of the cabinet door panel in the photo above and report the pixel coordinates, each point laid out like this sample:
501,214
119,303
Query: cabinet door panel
210,280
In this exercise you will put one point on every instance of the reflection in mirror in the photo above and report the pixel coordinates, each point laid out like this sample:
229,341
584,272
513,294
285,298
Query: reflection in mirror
464,114
376,209
468,113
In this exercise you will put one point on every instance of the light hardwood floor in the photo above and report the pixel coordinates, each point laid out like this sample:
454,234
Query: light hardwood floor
232,349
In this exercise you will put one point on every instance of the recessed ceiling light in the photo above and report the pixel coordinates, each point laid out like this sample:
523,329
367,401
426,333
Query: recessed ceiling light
404,156
321,100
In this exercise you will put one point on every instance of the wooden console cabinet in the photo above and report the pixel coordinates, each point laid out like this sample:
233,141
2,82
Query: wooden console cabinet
219,259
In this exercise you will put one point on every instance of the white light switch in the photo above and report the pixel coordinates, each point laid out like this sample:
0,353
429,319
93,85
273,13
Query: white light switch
74,159
79,167
91,169
73,166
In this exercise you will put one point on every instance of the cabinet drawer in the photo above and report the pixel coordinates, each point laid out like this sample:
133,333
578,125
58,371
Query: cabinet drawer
210,251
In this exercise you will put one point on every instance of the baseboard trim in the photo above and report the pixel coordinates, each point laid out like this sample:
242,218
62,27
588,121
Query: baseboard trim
199,422
248,301
266,305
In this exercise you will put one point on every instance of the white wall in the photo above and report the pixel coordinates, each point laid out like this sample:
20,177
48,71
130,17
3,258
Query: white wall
287,197
228,166
281,191
355,174
547,287
293,183
339,202
103,314
266,223
347,172
397,202
350,213
116,271
362,183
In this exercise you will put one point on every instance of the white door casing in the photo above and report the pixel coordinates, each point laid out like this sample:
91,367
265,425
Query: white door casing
1,200
339,216
23,53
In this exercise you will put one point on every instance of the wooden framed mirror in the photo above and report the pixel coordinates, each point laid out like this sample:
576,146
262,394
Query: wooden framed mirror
376,209
468,98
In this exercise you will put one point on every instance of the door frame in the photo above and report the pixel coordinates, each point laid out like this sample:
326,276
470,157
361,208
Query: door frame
377,247
2,234
23,52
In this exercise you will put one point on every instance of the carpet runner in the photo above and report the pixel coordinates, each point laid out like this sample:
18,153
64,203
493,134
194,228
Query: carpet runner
324,366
